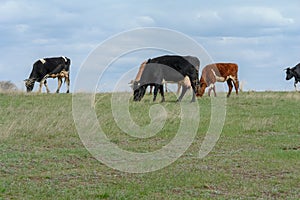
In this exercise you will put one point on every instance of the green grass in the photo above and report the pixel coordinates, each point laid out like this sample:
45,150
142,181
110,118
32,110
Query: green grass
256,157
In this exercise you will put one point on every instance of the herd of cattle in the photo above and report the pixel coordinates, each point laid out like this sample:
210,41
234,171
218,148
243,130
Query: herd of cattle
155,72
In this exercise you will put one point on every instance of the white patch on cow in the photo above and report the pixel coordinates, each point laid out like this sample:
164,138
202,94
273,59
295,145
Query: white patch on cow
231,77
187,82
218,78
43,61
65,58
223,79
211,85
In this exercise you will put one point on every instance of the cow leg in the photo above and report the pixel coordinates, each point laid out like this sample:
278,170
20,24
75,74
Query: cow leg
211,87
43,82
143,91
67,80
46,85
41,85
161,90
59,84
295,85
236,85
184,89
209,90
151,88
155,92
166,86
178,88
214,89
194,92
230,86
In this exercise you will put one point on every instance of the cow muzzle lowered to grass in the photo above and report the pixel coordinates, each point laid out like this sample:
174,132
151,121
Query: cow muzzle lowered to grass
29,83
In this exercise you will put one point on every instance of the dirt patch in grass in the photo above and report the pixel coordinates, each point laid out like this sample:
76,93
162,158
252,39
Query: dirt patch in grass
296,148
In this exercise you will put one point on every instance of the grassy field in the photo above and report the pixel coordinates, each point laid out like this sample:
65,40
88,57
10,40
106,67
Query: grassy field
256,157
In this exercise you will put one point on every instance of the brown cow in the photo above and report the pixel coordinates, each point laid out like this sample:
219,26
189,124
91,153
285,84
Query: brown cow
219,72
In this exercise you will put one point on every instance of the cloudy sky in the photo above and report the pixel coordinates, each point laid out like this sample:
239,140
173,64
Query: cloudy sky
262,37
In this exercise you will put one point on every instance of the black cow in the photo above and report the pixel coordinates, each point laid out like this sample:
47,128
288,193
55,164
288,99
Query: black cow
56,67
168,68
293,72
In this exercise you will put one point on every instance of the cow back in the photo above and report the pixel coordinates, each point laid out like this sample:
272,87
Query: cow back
177,63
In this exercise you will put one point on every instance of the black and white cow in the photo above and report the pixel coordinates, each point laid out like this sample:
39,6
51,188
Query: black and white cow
293,72
56,67
168,68
195,62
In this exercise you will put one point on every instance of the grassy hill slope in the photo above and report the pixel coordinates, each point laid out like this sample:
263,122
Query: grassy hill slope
257,155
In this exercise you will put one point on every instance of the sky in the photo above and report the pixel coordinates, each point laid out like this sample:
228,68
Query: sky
262,37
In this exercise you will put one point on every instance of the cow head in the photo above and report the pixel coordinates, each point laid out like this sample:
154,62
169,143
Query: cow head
197,87
139,91
198,91
29,83
201,88
289,73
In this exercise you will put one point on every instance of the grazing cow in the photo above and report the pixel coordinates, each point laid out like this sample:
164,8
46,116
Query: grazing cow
185,82
139,74
293,72
219,72
56,67
166,68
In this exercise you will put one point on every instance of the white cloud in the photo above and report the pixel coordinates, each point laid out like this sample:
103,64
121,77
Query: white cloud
257,16
43,41
8,9
228,20
13,11
21,28
145,21
208,15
